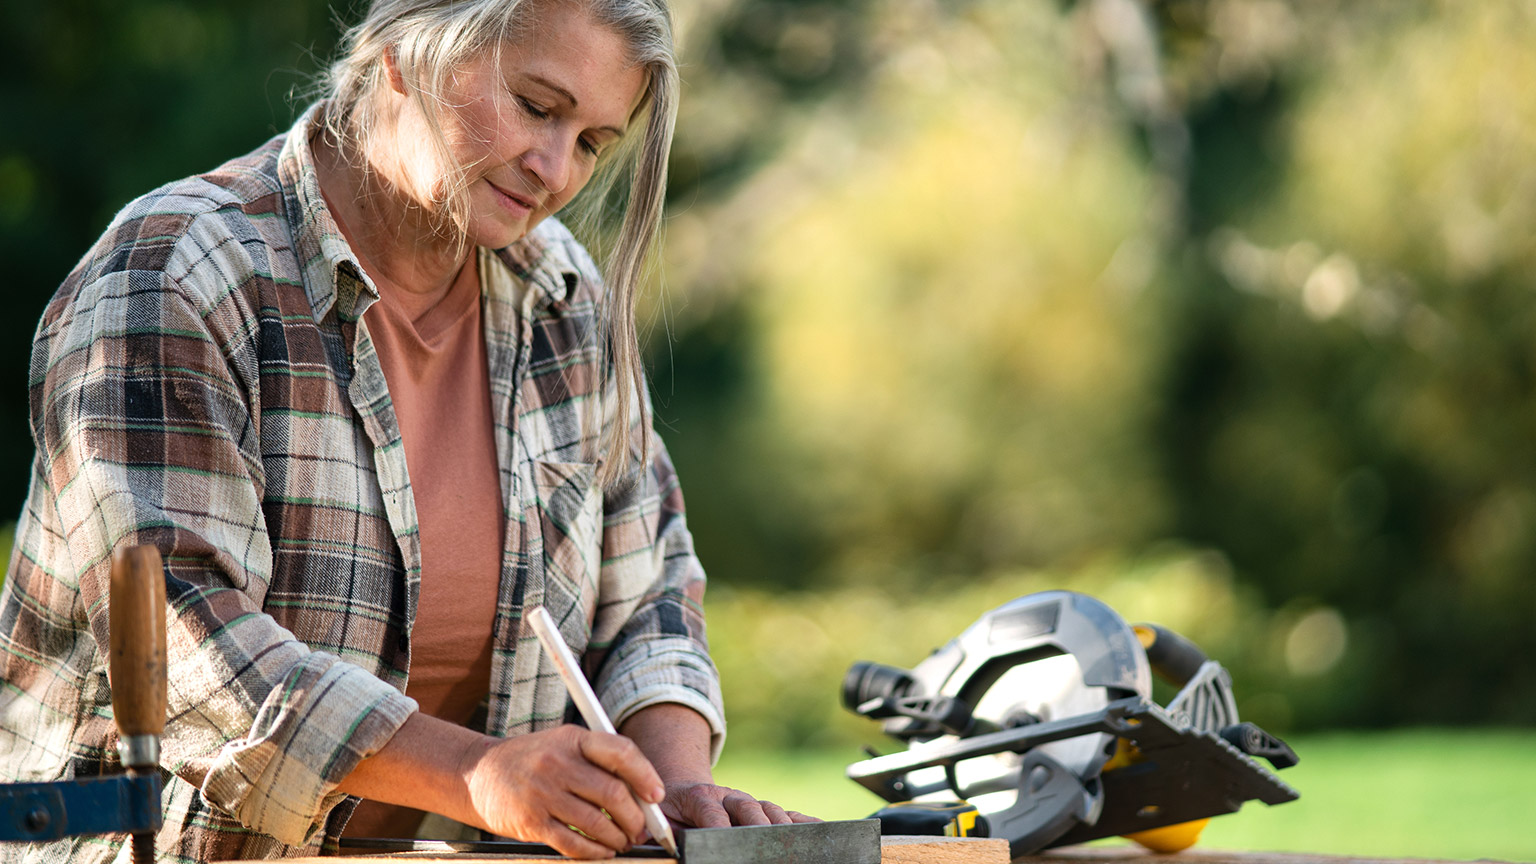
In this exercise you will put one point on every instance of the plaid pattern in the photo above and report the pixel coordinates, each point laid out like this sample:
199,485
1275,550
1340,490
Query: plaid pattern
203,381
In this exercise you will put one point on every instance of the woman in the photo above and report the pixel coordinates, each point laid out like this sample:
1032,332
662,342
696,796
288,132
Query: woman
364,444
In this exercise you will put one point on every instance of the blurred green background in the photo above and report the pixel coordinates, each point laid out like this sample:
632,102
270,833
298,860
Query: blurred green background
1220,310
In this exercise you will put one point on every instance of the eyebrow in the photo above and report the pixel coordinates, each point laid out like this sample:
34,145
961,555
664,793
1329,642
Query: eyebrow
569,97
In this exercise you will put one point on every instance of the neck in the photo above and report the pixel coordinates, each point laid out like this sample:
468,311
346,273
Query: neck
397,241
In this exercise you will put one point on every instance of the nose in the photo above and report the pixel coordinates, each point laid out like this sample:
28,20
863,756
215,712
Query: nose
550,162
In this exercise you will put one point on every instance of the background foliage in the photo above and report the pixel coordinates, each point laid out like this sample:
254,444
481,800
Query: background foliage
1218,309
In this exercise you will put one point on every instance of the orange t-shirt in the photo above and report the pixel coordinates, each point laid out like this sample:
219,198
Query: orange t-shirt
436,369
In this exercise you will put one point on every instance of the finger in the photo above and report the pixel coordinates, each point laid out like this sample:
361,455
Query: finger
796,816
570,843
574,813
745,810
610,795
700,809
775,813
619,756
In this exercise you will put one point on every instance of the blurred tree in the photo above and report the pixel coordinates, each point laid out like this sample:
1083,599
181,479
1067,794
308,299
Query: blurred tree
1351,401
1327,376
104,101
748,65
944,280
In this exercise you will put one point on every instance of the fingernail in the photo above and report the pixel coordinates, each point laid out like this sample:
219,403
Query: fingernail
657,794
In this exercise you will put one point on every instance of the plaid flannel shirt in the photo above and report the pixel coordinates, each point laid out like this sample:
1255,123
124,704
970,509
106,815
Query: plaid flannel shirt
203,381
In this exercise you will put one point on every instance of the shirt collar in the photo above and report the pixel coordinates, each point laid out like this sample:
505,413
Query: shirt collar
330,267
539,259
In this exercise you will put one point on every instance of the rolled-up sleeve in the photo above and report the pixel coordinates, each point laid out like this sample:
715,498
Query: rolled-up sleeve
660,652
142,390
268,726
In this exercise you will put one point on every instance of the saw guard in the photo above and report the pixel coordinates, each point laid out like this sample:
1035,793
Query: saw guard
1041,624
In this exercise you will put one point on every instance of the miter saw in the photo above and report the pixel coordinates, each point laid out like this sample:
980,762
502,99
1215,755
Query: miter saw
1037,725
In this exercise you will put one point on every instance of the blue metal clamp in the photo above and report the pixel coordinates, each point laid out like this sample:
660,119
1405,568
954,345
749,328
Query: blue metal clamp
39,812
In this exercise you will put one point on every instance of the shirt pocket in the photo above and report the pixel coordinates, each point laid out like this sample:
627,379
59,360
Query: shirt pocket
570,504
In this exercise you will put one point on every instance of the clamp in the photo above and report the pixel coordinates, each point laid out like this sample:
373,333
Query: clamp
128,802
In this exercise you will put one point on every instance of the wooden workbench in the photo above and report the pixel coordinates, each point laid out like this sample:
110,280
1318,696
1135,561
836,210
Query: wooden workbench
894,850
937,850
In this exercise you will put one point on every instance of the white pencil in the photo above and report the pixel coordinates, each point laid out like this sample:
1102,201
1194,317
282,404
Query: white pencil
592,711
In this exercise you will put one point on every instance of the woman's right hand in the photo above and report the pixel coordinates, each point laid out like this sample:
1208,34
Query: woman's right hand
567,787
548,787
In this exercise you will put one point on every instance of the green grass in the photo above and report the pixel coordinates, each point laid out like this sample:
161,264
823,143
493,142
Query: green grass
1419,794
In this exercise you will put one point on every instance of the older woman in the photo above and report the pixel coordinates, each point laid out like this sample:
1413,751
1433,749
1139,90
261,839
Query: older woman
372,403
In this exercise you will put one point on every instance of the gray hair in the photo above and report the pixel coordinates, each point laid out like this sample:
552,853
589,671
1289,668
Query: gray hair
430,38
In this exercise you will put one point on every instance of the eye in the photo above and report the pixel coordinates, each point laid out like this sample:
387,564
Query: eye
589,146
533,110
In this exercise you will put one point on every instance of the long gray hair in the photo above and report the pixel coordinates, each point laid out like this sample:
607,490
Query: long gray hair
430,39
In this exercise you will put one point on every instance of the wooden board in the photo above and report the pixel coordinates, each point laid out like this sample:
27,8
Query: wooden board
943,850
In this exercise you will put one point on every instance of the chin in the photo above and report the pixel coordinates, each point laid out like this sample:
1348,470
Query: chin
499,236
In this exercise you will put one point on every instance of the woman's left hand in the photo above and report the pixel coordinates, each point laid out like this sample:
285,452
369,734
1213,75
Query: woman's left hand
710,806
676,740
706,805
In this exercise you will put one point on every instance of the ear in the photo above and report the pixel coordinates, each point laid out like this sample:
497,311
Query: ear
392,69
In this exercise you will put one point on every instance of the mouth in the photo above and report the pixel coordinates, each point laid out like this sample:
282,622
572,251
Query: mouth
521,204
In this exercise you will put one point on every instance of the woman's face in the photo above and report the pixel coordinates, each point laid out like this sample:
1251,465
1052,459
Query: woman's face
529,129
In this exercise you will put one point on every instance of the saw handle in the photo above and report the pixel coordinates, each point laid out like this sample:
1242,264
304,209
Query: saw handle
1174,658
136,631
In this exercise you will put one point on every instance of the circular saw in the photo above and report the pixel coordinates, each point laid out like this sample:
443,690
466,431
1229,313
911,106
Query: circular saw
1037,725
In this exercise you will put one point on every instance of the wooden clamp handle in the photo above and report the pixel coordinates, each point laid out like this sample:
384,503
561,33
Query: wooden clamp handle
136,621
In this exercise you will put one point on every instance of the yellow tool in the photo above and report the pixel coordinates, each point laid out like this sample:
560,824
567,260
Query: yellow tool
1040,717
932,818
